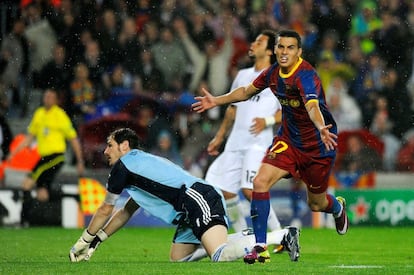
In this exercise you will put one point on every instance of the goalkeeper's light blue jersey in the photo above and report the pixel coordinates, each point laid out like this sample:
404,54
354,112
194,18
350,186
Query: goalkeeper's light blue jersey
155,183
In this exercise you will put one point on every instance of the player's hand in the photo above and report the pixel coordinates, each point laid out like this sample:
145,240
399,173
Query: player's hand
328,138
100,237
79,250
257,126
203,102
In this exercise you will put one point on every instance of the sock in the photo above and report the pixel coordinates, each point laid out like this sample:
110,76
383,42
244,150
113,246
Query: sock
273,222
259,212
198,254
238,221
276,236
238,245
334,206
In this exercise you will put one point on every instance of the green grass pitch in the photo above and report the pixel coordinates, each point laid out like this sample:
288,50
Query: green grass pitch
364,250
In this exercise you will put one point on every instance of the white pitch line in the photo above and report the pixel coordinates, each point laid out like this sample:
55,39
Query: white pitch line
356,266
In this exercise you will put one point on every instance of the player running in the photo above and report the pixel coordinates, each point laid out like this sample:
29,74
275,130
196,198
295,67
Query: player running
305,146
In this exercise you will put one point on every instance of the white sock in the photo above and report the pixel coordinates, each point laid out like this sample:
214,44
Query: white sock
238,221
197,255
238,245
276,236
273,222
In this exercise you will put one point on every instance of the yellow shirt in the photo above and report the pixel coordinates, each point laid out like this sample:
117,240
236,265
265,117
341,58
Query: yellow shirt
51,128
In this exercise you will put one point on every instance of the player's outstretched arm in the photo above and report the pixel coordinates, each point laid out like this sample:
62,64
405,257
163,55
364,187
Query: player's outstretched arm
209,101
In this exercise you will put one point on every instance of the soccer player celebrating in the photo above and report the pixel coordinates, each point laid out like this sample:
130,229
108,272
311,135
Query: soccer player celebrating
305,146
172,194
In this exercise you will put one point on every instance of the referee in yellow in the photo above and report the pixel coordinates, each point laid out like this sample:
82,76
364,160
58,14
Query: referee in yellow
52,128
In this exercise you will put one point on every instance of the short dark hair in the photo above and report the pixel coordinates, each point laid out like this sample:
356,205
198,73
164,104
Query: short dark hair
271,43
291,33
122,134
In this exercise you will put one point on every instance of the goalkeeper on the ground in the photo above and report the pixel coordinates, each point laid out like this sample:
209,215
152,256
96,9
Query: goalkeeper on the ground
170,193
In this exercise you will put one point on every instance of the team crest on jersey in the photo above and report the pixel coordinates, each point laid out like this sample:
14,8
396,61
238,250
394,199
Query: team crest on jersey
294,103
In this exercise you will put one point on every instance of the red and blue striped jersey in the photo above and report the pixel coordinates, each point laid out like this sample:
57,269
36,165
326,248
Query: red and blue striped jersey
294,91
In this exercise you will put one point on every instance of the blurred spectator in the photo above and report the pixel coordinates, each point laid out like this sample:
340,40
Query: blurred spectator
93,59
144,117
398,101
220,21
329,45
367,84
145,11
169,56
117,90
62,19
198,29
335,16
168,9
343,107
330,64
14,55
129,46
405,157
83,97
210,64
151,77
166,148
388,39
359,157
381,127
262,19
56,74
107,35
41,37
150,34
364,22
117,81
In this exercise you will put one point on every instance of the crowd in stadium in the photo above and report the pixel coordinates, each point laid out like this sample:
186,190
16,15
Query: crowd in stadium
105,56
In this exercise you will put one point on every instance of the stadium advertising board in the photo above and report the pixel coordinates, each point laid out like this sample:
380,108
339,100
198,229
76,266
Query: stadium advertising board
380,207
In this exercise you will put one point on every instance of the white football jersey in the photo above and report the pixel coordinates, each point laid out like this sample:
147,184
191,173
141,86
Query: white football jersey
262,105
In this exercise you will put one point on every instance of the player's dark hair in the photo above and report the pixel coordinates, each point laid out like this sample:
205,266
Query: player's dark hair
291,33
271,43
123,134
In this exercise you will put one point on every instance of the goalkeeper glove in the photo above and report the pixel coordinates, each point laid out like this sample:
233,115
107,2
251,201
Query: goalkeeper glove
79,251
100,237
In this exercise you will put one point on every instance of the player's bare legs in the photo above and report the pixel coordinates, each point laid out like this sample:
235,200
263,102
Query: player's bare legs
317,202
